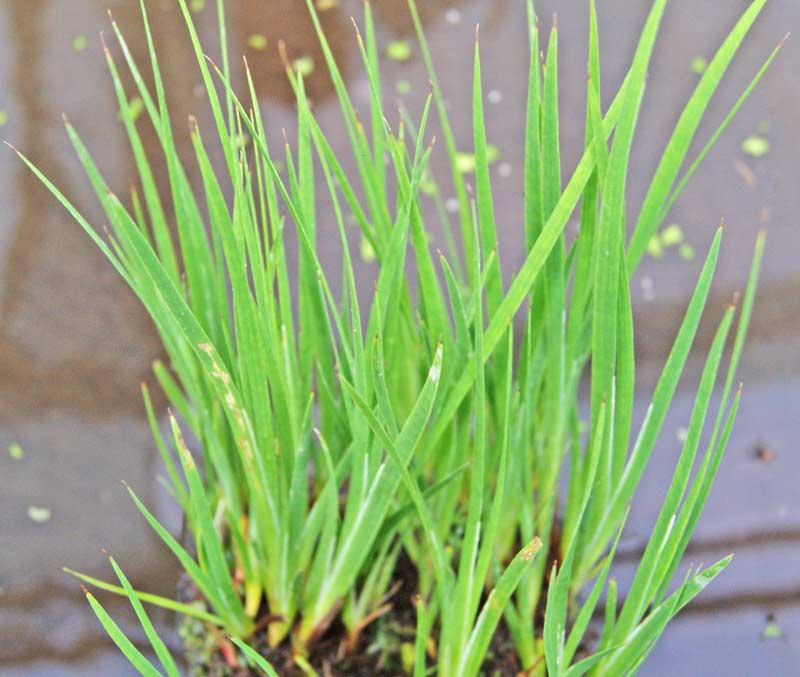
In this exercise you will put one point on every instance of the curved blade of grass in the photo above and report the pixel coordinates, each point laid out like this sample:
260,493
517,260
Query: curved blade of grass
172,471
449,138
157,643
556,612
209,541
656,559
583,666
716,447
255,658
678,145
149,598
528,273
695,501
411,485
534,200
662,397
553,283
581,622
483,190
355,131
163,239
624,379
641,640
719,131
424,619
136,658
356,541
611,227
198,576
481,636
463,602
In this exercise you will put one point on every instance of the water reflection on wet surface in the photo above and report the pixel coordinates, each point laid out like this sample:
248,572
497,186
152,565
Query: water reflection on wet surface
74,343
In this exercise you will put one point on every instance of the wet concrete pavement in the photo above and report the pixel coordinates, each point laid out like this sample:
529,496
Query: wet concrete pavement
74,343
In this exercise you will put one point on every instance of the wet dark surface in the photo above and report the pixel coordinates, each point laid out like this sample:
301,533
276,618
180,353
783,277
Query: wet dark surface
74,343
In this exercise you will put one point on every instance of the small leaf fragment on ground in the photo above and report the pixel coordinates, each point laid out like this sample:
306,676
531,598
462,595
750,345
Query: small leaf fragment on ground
15,451
197,5
672,235
3,118
755,145
303,66
366,250
699,65
257,41
402,87
771,630
79,43
655,248
466,161
136,107
38,514
399,50
325,5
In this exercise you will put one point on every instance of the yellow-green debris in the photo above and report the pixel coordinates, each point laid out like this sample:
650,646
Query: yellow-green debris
699,65
303,66
755,146
399,50
257,41
38,514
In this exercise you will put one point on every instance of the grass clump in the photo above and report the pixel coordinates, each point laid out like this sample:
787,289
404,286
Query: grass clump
339,440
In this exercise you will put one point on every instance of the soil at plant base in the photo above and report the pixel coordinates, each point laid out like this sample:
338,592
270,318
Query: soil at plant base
378,651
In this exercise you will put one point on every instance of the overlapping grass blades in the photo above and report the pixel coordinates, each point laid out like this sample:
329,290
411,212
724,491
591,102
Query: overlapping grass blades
334,437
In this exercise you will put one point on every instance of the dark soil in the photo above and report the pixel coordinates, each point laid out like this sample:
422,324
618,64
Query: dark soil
377,652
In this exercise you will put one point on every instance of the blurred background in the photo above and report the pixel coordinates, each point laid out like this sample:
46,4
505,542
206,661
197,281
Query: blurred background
75,345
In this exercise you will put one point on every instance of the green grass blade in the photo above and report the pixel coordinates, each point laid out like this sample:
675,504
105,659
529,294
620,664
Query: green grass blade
156,600
695,501
644,636
489,617
662,398
208,542
133,654
584,616
255,658
534,199
655,559
611,227
528,273
449,138
157,643
356,541
483,188
719,131
675,152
